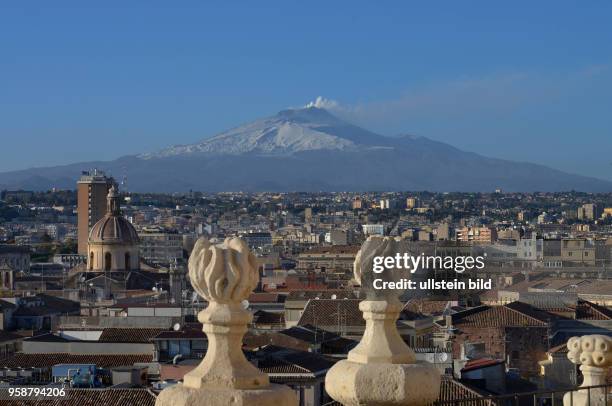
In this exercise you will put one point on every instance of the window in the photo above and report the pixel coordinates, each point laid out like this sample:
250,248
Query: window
198,344
91,260
127,261
173,347
107,261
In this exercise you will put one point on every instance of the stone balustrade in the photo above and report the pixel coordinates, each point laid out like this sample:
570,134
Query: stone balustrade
225,275
594,355
381,369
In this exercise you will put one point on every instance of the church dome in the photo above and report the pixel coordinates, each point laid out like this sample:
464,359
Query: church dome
113,228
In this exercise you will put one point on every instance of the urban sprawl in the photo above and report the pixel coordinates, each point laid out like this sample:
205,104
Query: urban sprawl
95,293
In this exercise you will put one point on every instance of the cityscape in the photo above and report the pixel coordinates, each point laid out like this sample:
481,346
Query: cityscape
306,203
96,293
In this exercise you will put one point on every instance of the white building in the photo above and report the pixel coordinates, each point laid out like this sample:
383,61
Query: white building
158,246
373,229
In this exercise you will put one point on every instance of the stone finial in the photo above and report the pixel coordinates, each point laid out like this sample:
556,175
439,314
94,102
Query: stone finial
381,369
594,355
376,246
225,275
593,351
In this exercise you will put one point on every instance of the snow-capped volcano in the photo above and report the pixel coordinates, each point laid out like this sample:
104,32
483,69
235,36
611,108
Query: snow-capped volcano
309,149
286,133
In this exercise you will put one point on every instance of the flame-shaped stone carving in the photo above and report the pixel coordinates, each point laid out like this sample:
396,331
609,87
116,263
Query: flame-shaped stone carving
225,273
376,246
381,369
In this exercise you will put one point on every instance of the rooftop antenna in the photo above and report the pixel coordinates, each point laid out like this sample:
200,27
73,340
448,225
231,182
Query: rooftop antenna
316,328
339,322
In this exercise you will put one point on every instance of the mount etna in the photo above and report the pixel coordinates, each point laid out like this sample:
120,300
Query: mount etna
310,149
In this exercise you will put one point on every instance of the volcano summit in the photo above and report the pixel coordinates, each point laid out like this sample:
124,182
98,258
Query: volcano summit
310,149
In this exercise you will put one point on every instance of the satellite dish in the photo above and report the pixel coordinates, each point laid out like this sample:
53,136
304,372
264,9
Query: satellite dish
244,304
334,297
177,327
442,357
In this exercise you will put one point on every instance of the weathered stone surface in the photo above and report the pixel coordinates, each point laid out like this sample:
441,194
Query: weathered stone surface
179,395
352,383
381,369
594,354
381,341
225,274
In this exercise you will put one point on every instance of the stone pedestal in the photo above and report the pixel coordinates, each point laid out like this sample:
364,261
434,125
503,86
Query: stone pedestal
180,395
225,275
353,384
594,354
381,369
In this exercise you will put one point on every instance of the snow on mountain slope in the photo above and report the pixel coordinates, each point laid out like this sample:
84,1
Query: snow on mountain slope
309,149
286,133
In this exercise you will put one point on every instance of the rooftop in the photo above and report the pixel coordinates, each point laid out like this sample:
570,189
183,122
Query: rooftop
515,314
47,360
129,335
106,396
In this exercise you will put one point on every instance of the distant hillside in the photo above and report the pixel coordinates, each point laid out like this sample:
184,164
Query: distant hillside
310,150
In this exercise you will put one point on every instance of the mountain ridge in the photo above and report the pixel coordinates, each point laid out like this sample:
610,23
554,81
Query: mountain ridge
310,149
287,132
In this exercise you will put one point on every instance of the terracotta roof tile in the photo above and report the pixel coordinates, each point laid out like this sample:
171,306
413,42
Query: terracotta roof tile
329,312
515,314
480,363
48,360
187,333
586,310
91,397
300,295
278,360
264,317
334,249
451,389
129,335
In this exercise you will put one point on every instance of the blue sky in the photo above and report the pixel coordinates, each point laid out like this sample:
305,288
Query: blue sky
528,81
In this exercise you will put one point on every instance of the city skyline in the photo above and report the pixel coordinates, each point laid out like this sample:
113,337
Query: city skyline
521,273
309,144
